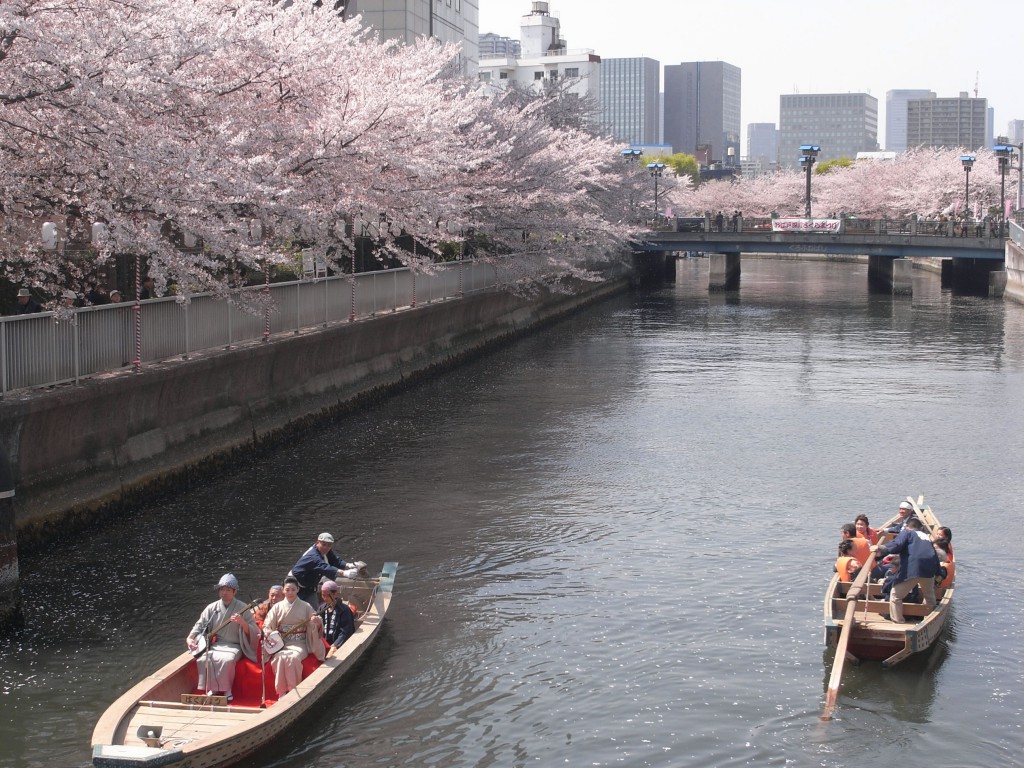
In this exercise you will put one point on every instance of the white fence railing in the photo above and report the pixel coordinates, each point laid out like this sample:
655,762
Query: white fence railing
40,350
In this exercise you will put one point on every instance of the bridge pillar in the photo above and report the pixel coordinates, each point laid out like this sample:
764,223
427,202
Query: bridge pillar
903,277
9,595
980,277
723,271
946,265
890,274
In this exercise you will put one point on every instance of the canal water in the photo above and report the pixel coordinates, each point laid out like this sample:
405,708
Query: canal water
614,538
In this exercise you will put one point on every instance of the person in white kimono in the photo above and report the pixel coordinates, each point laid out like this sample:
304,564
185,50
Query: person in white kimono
302,632
229,631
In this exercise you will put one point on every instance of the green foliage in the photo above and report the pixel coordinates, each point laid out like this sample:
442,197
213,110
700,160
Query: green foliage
830,165
681,163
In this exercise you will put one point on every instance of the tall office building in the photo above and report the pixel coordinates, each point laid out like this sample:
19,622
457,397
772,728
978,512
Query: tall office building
896,116
1015,131
494,46
842,124
953,122
450,21
630,100
702,110
763,144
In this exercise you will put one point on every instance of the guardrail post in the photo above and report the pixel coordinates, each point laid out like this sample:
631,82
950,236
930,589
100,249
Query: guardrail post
326,316
3,359
188,331
74,336
227,303
298,306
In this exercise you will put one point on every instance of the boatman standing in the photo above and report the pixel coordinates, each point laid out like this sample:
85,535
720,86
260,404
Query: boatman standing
918,566
228,630
317,562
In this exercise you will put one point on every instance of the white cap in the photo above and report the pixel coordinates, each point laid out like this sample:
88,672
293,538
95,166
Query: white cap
325,537
228,580
906,505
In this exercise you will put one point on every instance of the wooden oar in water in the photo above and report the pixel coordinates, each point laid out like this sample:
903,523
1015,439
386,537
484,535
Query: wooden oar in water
844,637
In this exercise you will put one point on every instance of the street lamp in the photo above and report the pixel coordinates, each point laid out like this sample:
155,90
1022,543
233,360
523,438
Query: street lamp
808,153
656,170
1004,153
1020,166
968,161
631,154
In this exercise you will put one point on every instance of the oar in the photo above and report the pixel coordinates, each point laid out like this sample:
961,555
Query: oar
844,636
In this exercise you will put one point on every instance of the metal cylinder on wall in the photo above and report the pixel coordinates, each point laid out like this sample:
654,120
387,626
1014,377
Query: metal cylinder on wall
10,600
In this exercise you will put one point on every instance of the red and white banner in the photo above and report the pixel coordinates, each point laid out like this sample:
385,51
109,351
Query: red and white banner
805,225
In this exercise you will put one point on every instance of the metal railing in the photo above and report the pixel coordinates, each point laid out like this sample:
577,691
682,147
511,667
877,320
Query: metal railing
42,349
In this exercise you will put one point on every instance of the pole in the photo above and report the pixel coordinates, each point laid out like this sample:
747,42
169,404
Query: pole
967,190
807,206
656,197
137,362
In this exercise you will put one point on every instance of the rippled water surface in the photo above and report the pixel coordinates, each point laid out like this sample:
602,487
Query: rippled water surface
614,539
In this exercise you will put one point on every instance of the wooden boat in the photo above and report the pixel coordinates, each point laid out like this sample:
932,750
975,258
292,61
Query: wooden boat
165,721
874,637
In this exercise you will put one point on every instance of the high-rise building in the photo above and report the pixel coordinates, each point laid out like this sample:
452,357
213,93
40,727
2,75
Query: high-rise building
763,144
954,122
545,61
702,110
494,46
451,21
842,124
896,116
629,93
1015,131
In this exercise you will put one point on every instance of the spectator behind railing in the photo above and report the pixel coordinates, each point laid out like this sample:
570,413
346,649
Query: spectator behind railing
26,305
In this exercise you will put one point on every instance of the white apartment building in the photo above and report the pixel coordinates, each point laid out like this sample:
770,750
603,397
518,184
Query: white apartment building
545,61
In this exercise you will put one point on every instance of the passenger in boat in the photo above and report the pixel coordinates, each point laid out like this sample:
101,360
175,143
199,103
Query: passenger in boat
861,547
864,530
906,511
318,562
301,631
274,596
337,618
942,532
847,565
233,631
918,566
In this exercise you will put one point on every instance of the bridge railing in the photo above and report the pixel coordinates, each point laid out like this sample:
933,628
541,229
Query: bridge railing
44,349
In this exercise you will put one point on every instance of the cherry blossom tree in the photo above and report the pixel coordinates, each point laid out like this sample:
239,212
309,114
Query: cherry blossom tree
215,137
926,182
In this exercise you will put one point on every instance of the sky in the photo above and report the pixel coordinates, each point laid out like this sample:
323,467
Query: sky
831,46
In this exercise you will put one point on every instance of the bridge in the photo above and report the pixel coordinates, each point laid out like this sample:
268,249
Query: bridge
972,256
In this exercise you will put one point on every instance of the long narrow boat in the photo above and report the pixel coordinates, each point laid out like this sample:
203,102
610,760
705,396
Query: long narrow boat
875,637
164,721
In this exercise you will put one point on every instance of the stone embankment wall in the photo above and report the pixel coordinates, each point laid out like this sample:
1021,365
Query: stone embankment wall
79,449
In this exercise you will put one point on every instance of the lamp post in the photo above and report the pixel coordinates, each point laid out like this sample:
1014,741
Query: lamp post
807,154
631,156
1019,166
968,161
656,170
1004,154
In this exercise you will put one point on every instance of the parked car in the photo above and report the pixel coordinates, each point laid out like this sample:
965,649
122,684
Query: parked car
689,223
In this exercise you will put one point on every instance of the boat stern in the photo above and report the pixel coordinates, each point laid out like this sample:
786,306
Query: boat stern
117,756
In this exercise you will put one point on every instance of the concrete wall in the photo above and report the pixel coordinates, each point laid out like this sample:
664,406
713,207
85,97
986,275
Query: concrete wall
77,449
1014,272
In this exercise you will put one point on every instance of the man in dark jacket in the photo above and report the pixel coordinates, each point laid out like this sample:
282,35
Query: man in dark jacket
918,566
316,563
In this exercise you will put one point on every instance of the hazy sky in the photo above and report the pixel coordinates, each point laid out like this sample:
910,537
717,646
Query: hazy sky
832,46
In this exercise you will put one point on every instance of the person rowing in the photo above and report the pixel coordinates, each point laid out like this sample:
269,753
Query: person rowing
318,562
